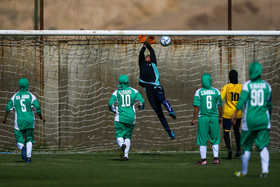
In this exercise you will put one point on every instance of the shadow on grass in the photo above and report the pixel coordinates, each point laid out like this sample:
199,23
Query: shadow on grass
117,159
233,158
154,154
19,161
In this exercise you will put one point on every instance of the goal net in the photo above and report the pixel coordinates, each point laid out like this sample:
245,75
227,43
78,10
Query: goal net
74,73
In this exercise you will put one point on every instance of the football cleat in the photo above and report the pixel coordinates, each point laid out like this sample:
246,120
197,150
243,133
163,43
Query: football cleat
216,161
125,159
238,154
201,162
122,153
171,135
172,114
23,153
238,174
264,175
28,160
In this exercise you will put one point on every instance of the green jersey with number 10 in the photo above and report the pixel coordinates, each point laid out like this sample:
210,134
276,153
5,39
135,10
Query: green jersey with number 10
125,110
125,97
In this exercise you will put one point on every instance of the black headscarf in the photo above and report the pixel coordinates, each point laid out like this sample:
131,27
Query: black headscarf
233,76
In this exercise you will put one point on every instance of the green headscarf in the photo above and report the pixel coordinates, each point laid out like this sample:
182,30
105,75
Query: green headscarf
124,81
23,84
255,70
206,80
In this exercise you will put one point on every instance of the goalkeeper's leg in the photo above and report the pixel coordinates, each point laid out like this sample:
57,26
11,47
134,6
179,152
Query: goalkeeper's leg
156,105
161,97
163,121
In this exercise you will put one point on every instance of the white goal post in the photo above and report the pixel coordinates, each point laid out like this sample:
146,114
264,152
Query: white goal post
74,72
138,32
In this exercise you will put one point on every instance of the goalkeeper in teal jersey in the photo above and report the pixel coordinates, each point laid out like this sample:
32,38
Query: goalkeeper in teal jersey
125,117
208,107
255,102
24,103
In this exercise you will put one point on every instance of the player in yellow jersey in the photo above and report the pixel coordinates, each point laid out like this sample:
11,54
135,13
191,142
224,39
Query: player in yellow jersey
230,93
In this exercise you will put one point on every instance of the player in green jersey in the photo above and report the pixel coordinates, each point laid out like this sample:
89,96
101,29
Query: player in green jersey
208,107
255,102
24,104
124,110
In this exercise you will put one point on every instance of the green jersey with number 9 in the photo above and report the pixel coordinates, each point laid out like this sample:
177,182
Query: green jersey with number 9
23,103
207,98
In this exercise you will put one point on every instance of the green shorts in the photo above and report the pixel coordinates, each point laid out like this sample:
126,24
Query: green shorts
260,137
208,129
123,130
24,136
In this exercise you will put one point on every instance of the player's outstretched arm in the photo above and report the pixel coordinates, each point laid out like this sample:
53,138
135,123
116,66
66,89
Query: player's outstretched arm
152,53
142,55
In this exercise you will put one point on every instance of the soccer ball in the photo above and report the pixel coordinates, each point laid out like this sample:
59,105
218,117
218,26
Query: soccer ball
165,40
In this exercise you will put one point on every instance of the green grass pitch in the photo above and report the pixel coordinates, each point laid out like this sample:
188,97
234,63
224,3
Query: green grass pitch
143,169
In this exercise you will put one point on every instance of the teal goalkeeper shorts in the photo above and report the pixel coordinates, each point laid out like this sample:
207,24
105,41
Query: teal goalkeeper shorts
208,129
24,136
123,130
260,137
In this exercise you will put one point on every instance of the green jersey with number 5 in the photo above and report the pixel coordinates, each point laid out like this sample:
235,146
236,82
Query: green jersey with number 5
207,98
24,104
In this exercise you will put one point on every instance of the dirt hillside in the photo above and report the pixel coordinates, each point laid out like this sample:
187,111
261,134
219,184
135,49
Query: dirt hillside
142,14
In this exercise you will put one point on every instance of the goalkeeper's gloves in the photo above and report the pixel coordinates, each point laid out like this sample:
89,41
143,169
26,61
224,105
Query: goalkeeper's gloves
141,107
142,38
150,39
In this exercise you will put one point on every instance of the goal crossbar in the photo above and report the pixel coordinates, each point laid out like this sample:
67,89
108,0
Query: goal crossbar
138,32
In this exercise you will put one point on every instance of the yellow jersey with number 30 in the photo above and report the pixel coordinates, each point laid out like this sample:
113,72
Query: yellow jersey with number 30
231,93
